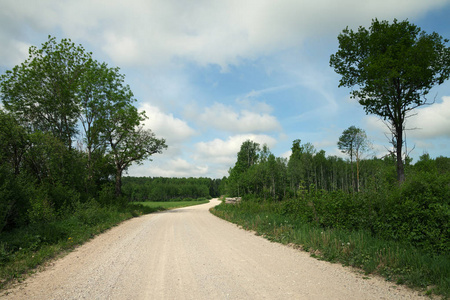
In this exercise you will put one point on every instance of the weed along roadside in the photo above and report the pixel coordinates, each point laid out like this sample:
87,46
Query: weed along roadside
397,262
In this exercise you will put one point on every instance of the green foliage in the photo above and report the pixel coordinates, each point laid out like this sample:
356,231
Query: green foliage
169,189
416,213
247,156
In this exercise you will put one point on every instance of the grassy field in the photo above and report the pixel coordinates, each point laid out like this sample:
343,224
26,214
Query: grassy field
170,205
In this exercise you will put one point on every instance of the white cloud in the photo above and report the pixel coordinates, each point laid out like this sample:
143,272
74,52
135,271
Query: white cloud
166,126
431,121
286,154
225,118
427,122
225,151
176,167
206,32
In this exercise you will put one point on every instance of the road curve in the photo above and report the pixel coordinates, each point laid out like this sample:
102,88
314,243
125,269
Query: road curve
188,253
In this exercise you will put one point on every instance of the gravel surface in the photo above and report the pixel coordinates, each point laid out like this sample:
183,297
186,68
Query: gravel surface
188,253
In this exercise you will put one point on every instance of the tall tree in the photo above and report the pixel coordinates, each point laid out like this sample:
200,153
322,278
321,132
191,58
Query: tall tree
294,167
247,157
122,132
353,142
395,66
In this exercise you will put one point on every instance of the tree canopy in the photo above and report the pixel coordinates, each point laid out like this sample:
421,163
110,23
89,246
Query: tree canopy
393,66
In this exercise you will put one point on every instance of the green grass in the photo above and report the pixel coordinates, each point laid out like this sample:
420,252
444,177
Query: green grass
397,262
170,205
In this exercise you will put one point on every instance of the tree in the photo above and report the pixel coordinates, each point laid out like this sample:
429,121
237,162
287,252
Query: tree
294,166
126,139
246,158
42,91
102,95
353,142
395,66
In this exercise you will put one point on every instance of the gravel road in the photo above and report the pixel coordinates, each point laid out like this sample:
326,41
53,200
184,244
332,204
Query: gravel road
188,253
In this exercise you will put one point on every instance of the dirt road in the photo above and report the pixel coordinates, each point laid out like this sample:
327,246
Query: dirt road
190,254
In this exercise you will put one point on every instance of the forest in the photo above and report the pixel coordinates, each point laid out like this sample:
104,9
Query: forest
139,189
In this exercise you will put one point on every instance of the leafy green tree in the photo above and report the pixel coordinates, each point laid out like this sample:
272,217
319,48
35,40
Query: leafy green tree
247,157
111,123
128,142
43,90
294,167
353,142
395,66
104,100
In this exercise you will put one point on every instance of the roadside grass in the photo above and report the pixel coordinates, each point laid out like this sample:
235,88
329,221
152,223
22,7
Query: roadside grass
397,262
23,251
171,205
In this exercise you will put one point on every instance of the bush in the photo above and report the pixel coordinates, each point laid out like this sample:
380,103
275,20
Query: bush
415,213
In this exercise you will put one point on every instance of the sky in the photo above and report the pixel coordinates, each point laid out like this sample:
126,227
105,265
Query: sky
211,74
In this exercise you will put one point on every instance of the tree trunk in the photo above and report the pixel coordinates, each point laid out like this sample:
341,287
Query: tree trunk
400,166
357,172
119,182
357,175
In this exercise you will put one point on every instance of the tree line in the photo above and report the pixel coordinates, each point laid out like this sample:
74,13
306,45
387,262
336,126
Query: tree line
170,189
68,131
260,174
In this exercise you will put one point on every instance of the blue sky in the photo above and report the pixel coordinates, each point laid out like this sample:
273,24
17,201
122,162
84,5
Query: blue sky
211,74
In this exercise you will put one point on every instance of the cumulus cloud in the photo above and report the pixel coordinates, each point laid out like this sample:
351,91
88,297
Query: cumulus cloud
176,167
167,126
206,32
225,118
225,151
431,121
427,122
